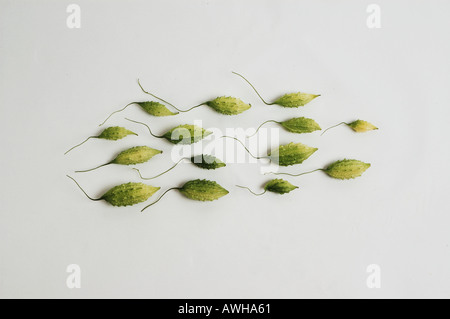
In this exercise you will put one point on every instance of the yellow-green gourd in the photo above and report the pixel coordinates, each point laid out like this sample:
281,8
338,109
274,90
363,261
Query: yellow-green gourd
291,154
125,194
297,125
131,156
113,133
343,169
284,155
288,100
199,190
359,126
279,186
181,134
151,107
223,104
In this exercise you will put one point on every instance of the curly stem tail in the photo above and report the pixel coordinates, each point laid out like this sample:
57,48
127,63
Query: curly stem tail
252,191
80,144
94,199
162,100
159,198
261,126
150,131
236,139
333,127
148,178
319,169
88,170
117,112
253,88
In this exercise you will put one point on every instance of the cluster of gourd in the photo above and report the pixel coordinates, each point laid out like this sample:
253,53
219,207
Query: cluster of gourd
205,190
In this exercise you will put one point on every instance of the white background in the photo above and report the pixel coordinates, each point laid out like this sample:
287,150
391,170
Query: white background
57,84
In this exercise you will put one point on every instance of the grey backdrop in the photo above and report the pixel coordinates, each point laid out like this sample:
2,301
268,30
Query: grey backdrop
57,84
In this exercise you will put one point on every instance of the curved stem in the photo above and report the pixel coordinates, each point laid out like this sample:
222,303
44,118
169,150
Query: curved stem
194,107
80,143
261,126
252,191
94,199
253,88
319,169
234,138
156,97
159,198
88,170
148,178
333,127
157,136
117,112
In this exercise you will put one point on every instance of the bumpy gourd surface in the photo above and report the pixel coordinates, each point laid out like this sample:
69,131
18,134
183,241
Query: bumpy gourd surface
228,105
115,133
203,190
361,126
291,154
156,108
129,194
279,186
207,162
301,125
347,169
295,99
186,134
136,155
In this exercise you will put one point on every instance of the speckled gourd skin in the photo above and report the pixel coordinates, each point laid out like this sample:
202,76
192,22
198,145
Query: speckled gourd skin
361,126
228,105
129,194
291,154
301,125
156,108
115,133
203,190
279,186
186,134
347,169
135,155
207,162
295,99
